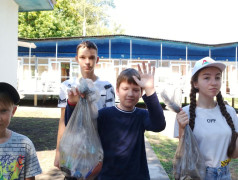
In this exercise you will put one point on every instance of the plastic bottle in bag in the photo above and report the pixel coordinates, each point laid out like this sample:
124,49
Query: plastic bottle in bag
81,153
188,161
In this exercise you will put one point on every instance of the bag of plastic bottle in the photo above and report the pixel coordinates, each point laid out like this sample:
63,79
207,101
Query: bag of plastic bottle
188,161
81,153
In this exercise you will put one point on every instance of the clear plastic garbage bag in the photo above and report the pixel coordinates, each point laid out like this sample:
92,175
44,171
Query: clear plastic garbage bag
81,152
188,161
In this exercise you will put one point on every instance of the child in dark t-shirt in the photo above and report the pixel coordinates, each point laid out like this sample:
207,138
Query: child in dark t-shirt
121,128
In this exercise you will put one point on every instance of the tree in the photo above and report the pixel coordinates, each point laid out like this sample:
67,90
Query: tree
68,19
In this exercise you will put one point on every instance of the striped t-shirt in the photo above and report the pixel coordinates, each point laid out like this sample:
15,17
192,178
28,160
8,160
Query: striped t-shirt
18,158
106,90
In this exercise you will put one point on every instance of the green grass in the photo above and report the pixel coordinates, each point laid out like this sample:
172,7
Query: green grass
165,149
42,131
234,168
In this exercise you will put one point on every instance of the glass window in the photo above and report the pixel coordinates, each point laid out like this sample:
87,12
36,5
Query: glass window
26,74
124,62
75,71
42,69
165,63
42,61
116,62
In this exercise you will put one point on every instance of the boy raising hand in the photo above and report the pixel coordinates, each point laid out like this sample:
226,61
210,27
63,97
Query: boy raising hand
121,128
147,79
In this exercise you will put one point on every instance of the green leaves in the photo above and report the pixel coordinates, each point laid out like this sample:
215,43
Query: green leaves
66,20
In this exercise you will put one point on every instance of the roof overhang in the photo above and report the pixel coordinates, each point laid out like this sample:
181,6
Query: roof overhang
26,44
35,5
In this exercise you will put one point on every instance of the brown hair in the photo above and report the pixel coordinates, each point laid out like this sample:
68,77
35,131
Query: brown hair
193,104
87,44
127,75
5,99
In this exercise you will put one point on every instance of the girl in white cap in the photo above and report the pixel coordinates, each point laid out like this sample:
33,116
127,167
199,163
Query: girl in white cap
214,124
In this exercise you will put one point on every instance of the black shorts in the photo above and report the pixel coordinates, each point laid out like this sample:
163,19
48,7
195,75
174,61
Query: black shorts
70,178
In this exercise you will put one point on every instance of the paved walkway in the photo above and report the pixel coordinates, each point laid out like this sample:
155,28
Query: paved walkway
156,170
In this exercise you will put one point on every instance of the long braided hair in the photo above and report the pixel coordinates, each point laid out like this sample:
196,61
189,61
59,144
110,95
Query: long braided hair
192,108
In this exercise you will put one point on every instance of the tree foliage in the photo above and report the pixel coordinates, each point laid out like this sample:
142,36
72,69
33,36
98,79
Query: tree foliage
67,19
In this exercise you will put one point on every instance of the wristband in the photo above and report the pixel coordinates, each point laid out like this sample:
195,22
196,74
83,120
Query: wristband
71,104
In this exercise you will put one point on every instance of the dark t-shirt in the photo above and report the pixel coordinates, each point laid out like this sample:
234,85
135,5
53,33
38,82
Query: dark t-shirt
122,138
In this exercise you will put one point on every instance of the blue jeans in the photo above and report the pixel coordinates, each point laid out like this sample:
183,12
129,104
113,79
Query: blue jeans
221,173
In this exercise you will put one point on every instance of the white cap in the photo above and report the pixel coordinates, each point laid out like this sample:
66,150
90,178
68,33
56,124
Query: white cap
207,62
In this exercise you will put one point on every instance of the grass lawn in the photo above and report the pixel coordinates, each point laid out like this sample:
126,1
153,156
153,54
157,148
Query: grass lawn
42,131
164,148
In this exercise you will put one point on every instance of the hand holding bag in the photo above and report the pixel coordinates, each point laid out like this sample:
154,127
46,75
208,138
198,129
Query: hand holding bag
81,152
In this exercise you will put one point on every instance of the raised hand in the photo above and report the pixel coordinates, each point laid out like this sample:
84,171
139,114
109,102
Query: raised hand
147,78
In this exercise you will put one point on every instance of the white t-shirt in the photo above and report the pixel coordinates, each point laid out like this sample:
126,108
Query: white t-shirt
212,132
18,158
63,95
105,88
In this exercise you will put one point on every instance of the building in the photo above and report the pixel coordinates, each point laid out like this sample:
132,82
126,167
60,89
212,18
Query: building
53,61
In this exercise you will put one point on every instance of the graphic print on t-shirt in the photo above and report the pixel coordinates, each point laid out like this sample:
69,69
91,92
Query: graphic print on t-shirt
11,167
211,120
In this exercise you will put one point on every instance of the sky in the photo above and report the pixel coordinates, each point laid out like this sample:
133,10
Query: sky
199,21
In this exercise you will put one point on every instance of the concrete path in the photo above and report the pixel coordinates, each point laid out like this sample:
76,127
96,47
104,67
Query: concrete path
50,172
156,170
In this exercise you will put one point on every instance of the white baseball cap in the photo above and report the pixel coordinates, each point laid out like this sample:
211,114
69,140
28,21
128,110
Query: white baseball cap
207,62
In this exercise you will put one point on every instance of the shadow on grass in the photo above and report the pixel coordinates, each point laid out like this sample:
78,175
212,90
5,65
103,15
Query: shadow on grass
41,131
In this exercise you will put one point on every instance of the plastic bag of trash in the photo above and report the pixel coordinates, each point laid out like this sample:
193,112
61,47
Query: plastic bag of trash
81,152
188,161
172,103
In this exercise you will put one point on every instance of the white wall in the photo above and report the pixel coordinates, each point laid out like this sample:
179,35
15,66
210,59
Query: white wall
8,41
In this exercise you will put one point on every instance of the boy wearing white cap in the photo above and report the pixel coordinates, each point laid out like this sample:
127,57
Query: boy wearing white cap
18,158
214,124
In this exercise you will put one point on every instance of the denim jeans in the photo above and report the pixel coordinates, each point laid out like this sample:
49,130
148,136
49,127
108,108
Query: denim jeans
221,173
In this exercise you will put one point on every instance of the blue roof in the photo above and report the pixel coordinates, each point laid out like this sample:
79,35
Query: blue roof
142,48
35,5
